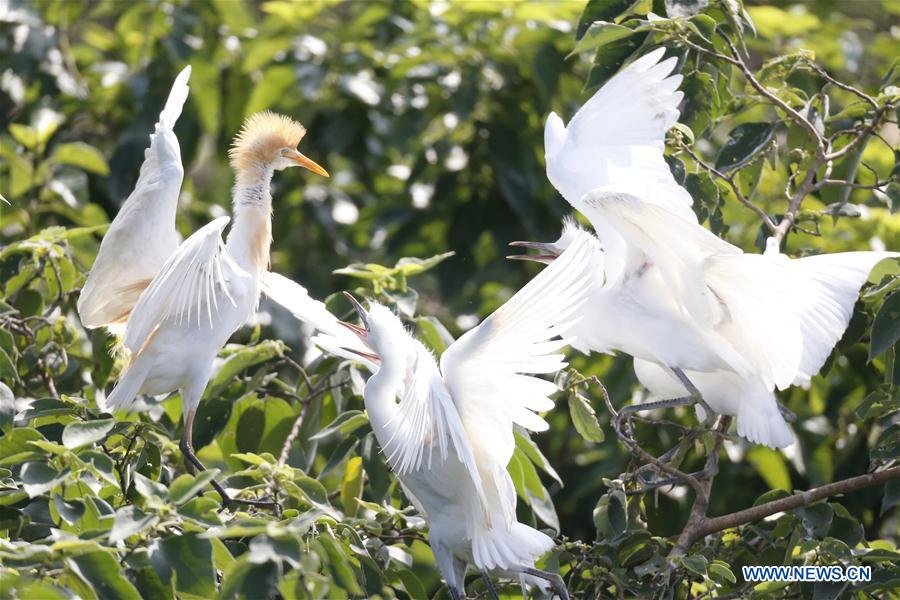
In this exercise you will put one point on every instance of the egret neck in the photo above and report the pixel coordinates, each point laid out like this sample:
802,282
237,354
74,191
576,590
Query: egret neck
381,398
251,231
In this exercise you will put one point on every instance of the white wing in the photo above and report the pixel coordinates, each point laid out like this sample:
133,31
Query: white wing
188,289
143,234
427,417
484,370
333,338
827,287
757,295
657,236
294,297
617,139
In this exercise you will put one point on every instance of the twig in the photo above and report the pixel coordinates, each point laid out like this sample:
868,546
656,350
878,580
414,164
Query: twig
701,500
757,513
298,422
639,452
729,179
792,113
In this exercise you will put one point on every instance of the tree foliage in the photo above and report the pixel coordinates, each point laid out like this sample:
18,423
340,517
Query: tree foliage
429,117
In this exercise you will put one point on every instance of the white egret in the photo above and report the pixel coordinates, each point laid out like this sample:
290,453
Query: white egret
177,303
449,438
699,316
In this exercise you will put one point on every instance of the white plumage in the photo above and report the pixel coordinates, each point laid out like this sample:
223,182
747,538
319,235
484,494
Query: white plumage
450,438
179,302
669,292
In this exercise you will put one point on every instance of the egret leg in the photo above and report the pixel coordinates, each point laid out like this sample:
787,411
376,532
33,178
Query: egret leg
696,396
190,458
454,593
556,582
788,415
625,413
492,591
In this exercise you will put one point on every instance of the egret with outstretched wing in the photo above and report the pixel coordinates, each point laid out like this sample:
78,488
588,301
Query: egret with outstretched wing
449,438
178,303
704,321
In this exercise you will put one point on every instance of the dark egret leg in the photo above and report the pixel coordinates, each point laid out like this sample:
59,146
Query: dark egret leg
492,591
454,593
190,458
788,415
696,396
556,582
625,413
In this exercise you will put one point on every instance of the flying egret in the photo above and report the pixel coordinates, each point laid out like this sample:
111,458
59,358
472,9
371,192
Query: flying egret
706,323
177,303
448,433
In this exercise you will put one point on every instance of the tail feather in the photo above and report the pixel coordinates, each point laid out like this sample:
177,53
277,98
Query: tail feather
760,421
517,547
128,387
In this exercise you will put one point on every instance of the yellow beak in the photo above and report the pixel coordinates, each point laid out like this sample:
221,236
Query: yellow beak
308,163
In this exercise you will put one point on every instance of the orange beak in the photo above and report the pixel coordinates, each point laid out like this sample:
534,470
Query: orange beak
308,163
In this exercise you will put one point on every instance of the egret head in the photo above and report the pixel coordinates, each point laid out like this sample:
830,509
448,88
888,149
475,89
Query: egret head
381,330
550,251
268,140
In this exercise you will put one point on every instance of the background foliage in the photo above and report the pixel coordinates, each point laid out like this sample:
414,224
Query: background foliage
429,117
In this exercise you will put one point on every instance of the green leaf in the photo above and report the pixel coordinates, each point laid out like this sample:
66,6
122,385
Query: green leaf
69,510
186,486
102,572
346,423
7,367
600,34
39,477
191,558
243,358
83,156
600,10
352,486
886,327
771,467
339,566
744,142
24,134
584,418
720,572
129,520
695,563
82,433
410,266
7,408
16,448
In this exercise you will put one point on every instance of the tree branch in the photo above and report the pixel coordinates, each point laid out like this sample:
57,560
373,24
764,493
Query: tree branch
757,513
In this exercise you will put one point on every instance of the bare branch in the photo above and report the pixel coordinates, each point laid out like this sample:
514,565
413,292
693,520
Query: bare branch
843,86
757,513
729,179
642,454
792,113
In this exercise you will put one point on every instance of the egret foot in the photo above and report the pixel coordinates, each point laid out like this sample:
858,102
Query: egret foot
695,395
556,582
624,416
492,591
191,459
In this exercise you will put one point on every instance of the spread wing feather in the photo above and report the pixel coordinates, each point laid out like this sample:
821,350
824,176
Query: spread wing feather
142,236
677,246
189,287
484,370
617,139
